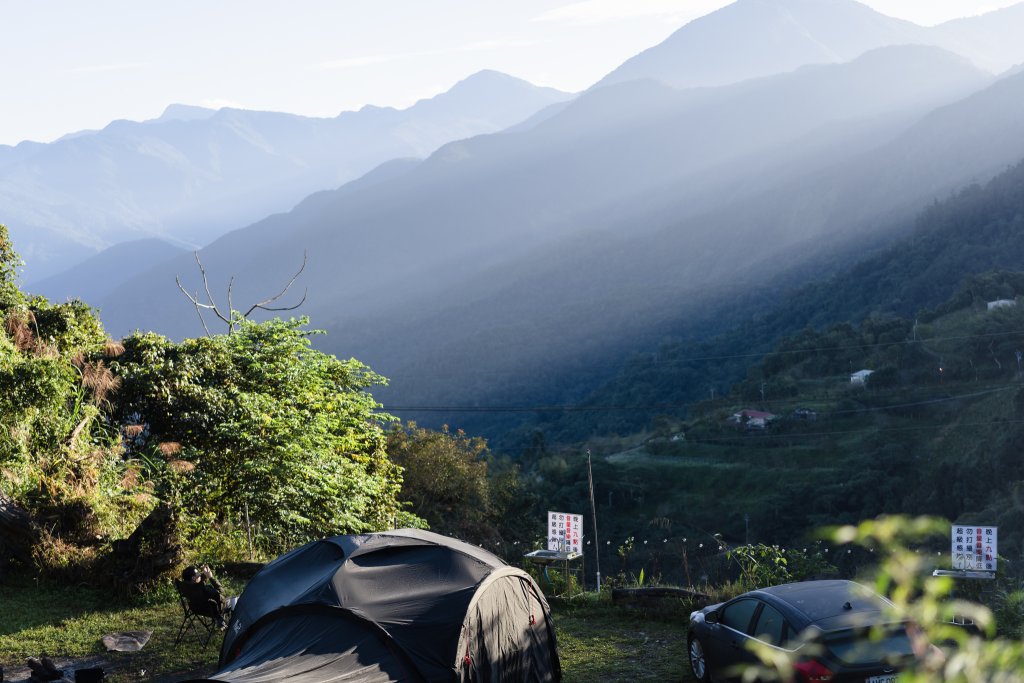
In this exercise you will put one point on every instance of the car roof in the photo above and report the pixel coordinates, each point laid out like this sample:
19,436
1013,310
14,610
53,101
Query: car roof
828,604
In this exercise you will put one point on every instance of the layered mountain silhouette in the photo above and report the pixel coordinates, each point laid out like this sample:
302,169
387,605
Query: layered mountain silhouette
752,38
517,267
94,278
574,309
192,174
502,263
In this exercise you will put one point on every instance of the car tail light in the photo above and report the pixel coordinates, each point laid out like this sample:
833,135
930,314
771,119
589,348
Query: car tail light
812,671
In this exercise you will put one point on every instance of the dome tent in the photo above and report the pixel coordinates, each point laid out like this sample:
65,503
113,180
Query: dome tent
405,605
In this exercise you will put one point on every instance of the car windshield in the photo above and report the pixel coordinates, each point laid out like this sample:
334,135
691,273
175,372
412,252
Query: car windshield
867,646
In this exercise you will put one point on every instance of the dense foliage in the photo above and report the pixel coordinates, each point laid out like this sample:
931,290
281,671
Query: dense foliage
935,429
256,431
255,441
452,481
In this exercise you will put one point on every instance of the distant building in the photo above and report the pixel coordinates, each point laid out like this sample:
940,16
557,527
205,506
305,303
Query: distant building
1001,303
805,414
752,419
861,376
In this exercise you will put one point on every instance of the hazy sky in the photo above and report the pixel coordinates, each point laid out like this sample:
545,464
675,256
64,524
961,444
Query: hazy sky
69,65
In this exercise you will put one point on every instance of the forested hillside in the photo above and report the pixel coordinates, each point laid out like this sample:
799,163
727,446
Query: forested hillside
976,230
936,428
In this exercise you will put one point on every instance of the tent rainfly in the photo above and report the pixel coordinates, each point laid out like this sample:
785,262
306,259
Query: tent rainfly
405,605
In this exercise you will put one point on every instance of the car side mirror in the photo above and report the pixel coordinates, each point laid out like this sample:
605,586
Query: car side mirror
711,617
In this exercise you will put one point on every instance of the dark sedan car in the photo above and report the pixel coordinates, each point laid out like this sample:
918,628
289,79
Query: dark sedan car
832,631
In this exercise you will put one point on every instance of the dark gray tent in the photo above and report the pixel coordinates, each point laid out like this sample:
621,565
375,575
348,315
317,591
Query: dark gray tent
404,605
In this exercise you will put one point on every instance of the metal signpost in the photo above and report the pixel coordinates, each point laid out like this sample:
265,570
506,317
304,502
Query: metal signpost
565,545
974,552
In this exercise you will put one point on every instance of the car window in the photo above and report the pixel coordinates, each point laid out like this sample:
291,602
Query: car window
737,615
862,646
771,626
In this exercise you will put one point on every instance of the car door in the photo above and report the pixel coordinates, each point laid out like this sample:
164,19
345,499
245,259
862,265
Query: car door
728,649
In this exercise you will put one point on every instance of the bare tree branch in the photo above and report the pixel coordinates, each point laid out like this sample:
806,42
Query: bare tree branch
195,302
209,296
231,305
286,308
263,304
212,303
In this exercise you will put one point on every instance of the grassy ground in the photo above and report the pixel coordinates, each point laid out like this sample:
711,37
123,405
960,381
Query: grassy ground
66,623
597,641
601,642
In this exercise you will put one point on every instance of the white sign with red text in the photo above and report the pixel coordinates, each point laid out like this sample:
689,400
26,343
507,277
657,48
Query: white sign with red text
564,532
974,547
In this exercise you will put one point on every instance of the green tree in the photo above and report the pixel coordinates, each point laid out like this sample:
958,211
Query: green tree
259,426
10,295
447,482
60,458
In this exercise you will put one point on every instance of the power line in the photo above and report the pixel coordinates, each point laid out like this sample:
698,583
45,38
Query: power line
680,406
820,349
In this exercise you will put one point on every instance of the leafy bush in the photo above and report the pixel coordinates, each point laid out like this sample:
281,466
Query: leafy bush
258,431
257,441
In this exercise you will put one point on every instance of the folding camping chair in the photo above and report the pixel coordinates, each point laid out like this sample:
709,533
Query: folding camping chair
198,614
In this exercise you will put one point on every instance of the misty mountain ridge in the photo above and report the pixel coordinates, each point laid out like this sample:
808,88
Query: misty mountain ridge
754,38
94,278
194,173
527,264
573,308
521,261
611,147
942,264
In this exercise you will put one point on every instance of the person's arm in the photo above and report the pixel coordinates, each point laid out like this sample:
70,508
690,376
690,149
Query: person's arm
214,583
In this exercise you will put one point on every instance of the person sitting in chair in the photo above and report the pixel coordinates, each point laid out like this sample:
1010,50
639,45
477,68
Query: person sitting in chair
200,586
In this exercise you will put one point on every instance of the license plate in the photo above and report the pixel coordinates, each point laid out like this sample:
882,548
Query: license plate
887,678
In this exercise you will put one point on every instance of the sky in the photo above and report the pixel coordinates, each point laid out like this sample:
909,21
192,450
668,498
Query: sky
69,65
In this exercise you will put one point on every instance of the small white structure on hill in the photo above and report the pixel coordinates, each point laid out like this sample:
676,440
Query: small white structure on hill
1001,303
752,419
861,376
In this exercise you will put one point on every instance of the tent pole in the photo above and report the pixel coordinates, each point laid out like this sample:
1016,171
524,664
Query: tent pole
593,512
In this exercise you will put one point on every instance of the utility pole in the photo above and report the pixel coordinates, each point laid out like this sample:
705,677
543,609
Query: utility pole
593,512
746,527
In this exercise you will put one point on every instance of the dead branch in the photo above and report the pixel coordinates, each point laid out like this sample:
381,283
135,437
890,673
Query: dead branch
211,303
263,304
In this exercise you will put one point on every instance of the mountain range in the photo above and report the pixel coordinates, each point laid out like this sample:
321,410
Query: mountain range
514,259
521,267
193,173
752,38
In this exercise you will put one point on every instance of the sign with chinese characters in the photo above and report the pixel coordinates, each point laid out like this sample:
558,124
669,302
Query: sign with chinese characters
564,532
974,547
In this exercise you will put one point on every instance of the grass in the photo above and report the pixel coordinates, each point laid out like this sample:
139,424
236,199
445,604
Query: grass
67,622
601,642
597,640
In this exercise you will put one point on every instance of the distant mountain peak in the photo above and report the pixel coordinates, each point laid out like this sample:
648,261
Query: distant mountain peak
489,79
184,112
756,38
480,91
489,74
